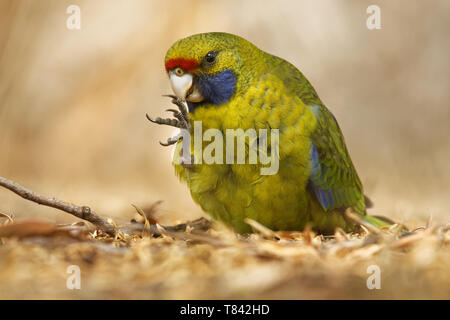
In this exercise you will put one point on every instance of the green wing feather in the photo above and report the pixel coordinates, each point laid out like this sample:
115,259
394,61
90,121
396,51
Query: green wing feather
333,177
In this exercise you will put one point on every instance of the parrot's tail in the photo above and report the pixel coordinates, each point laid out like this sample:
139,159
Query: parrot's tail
377,221
380,221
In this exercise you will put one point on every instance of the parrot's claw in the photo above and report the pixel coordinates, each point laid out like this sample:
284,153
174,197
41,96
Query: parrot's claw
177,114
183,110
169,122
182,120
172,140
170,96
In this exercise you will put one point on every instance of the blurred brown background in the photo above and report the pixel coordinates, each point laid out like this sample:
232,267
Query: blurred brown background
73,102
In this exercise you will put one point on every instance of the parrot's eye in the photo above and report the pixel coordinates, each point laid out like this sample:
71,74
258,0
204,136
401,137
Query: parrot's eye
178,71
210,57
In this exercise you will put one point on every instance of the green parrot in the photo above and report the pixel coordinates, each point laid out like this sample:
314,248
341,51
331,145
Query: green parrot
228,83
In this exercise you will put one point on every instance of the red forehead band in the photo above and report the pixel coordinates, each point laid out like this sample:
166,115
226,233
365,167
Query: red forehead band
185,64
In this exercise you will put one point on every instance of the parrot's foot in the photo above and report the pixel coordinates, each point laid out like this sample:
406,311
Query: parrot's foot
181,121
172,140
182,115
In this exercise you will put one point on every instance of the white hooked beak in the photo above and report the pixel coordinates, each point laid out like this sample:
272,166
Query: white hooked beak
184,88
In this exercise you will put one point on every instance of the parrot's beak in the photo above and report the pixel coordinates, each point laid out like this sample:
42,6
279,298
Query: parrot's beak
184,87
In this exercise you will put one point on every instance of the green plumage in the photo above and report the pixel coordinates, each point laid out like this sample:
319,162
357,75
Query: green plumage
316,180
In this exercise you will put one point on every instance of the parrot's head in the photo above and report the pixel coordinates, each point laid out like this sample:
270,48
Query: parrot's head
210,68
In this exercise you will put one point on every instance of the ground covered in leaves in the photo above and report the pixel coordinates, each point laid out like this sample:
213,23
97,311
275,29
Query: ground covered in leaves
200,260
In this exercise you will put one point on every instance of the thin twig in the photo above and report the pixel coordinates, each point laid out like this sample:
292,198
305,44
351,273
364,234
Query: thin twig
6,216
82,212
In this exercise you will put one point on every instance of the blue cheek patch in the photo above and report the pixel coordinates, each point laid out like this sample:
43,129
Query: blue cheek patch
216,89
